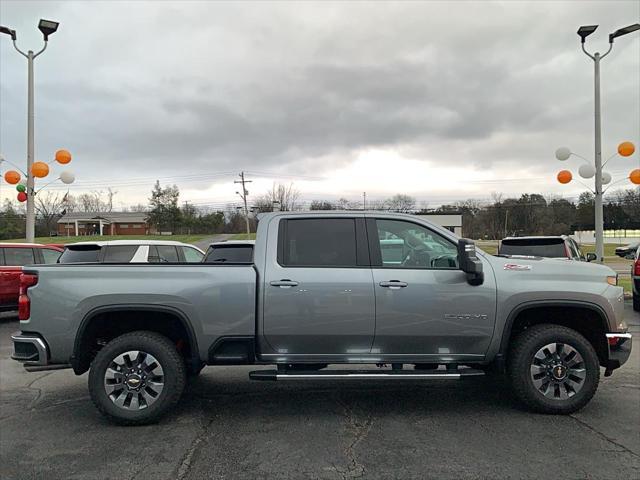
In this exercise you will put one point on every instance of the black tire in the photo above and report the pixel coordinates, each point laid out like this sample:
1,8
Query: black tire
636,302
173,377
530,342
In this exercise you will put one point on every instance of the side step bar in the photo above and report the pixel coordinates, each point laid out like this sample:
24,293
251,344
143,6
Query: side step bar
364,374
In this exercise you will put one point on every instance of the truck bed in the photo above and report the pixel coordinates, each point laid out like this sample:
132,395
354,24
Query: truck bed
218,300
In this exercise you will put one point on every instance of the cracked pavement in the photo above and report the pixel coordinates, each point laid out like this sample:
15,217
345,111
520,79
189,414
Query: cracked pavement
228,427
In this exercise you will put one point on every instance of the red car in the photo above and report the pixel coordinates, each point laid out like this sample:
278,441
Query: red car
13,256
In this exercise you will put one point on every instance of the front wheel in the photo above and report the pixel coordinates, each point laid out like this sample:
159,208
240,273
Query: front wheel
553,369
136,378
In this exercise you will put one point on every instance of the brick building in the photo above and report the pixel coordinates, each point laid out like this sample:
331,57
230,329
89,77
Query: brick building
103,223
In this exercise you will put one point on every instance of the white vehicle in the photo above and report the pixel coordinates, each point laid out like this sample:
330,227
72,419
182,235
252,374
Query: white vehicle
231,251
131,251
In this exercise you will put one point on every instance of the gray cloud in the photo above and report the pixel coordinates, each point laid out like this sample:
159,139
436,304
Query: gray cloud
207,87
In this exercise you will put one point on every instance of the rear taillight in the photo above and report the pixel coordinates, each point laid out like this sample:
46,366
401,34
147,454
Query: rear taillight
636,269
24,303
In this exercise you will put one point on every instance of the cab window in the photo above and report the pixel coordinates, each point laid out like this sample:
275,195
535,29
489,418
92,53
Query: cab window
318,242
409,245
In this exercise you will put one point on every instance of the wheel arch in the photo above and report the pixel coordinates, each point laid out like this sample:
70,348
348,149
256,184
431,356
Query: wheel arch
589,319
82,357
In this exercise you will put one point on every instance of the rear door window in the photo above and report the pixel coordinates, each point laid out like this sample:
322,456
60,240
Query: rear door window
321,242
19,257
230,254
552,248
81,254
120,253
163,254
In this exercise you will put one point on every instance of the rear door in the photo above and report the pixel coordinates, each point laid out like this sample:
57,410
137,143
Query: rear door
318,289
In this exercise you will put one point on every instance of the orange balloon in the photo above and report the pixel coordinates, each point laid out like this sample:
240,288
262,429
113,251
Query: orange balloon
626,149
564,176
634,176
40,169
63,157
12,177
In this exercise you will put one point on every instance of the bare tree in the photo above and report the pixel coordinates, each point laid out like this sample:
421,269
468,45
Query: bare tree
286,195
96,201
401,203
50,207
139,208
322,205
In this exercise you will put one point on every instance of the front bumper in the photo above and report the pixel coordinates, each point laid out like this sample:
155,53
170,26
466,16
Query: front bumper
619,345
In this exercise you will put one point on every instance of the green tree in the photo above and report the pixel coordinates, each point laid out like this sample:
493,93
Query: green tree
164,213
12,222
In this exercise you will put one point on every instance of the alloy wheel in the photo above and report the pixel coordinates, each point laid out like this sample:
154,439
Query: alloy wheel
558,371
134,380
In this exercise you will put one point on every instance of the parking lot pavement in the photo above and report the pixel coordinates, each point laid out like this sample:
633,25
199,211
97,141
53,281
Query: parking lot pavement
229,427
205,242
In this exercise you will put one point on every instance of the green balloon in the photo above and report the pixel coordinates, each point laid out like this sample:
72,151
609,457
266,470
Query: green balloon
21,188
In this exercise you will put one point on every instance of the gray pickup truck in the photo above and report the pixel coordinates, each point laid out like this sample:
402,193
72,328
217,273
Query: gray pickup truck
371,296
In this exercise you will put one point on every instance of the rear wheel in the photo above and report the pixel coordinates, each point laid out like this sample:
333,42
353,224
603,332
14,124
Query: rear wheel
553,369
136,378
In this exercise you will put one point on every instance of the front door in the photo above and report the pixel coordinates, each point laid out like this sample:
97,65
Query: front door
318,290
424,305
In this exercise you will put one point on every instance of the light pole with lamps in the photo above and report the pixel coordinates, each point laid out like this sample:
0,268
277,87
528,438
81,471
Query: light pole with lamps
47,27
584,32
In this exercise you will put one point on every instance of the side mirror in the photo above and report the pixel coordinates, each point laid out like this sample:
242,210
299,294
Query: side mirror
591,257
469,262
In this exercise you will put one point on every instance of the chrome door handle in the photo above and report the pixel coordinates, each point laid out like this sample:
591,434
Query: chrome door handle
393,284
284,283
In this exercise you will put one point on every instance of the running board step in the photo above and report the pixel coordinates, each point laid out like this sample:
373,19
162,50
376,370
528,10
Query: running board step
364,374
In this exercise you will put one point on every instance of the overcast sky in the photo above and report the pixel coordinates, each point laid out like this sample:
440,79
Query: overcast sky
440,100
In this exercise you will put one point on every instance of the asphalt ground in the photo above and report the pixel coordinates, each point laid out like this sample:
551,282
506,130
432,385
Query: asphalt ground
230,427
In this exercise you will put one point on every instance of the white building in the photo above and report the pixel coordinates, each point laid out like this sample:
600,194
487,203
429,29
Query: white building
450,221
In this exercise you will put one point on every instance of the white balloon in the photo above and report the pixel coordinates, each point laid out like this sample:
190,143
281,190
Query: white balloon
67,177
587,171
563,153
606,178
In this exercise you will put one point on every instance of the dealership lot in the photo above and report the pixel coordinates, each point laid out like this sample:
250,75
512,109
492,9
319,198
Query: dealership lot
230,427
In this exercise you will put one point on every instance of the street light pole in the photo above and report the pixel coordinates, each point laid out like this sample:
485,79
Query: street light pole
599,213
584,32
47,27
31,206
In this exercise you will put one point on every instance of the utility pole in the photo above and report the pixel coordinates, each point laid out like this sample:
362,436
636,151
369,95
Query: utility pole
364,200
506,220
244,195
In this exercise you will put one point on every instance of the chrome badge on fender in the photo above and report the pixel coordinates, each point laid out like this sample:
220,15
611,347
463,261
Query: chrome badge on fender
516,267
